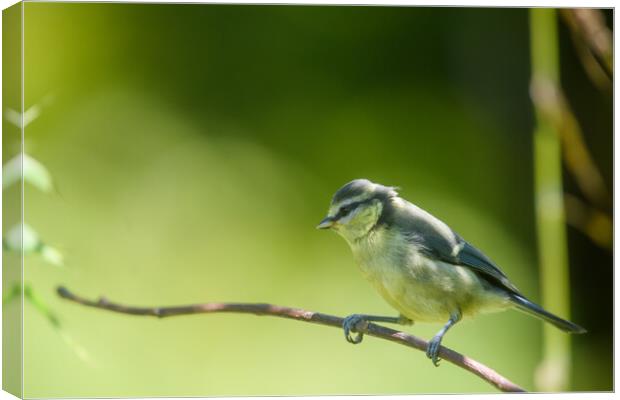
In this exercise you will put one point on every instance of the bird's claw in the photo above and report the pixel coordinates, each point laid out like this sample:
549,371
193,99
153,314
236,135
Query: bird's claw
350,324
432,351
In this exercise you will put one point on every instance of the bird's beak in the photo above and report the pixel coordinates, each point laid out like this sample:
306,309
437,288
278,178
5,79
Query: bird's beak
326,223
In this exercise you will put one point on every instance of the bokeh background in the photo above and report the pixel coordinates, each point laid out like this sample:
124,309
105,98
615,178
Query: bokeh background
194,148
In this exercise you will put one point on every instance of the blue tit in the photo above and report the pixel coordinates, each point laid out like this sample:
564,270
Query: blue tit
420,266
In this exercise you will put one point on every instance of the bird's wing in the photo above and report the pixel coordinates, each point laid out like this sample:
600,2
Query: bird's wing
435,239
472,257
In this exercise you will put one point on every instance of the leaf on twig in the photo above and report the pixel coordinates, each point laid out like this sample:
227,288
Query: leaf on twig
12,294
32,298
34,173
23,236
52,255
41,306
15,117
78,349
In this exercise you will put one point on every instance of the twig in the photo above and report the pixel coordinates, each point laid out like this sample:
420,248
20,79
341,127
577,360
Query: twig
370,329
593,223
591,66
552,105
589,25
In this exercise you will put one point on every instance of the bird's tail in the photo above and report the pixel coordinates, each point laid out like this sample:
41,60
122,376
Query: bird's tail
537,311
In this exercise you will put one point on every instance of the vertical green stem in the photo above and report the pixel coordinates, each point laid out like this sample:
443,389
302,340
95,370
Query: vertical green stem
553,372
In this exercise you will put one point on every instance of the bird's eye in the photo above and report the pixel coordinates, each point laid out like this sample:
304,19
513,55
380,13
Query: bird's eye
346,209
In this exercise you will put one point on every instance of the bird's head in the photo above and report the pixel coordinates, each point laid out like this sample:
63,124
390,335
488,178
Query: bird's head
356,208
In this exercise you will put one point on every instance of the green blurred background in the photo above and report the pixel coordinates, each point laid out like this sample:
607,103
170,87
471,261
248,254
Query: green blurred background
195,147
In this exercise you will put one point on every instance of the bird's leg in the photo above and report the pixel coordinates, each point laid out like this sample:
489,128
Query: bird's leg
433,346
350,323
402,320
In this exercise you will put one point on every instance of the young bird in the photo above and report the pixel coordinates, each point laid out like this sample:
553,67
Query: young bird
419,265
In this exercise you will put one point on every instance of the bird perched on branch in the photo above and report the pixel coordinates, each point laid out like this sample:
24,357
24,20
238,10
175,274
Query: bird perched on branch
419,265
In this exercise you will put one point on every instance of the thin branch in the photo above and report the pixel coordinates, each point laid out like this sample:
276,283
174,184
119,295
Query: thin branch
370,329
578,158
591,66
552,104
593,223
589,25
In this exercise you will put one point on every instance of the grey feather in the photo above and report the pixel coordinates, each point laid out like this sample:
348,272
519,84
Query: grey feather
435,239
354,188
534,309
472,257
359,187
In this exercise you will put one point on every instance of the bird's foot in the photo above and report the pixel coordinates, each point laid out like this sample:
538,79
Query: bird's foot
350,325
402,320
432,351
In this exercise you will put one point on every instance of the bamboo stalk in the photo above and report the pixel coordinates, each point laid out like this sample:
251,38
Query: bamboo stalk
554,370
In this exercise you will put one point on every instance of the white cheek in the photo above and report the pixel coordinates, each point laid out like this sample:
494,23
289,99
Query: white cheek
346,219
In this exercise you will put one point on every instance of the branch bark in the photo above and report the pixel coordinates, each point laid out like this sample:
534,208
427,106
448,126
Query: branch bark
481,370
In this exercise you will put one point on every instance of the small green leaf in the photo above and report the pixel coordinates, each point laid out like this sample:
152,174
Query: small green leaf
52,255
41,306
15,117
12,294
34,172
32,244
37,174
13,239
80,351
11,172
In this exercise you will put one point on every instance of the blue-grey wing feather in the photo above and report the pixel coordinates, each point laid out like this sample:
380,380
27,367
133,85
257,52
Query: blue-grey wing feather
436,240
472,257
